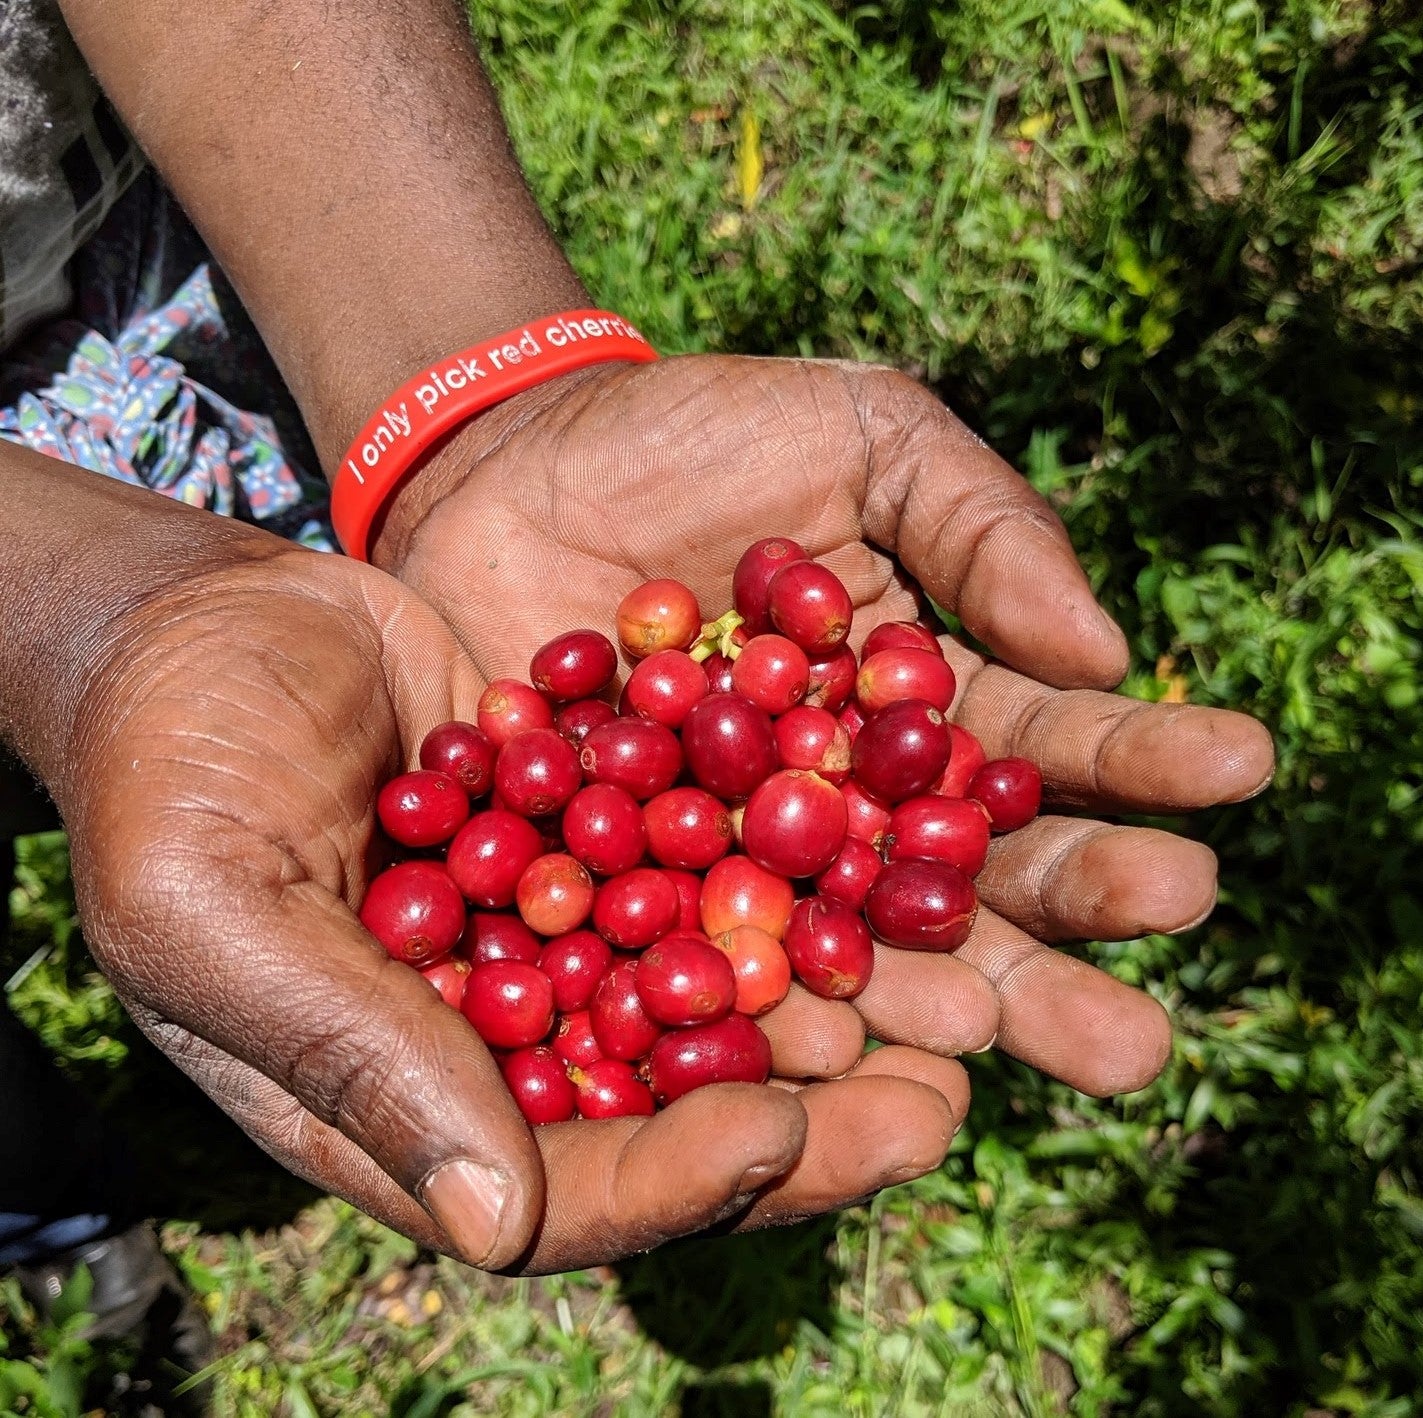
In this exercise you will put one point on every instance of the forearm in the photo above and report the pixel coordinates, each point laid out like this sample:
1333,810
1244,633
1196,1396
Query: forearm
350,170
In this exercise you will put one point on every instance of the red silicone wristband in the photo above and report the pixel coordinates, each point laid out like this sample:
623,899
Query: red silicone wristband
438,399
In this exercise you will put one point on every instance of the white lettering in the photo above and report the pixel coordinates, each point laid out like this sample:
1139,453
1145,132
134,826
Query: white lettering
355,472
511,353
555,337
428,397
528,344
399,422
471,368
370,455
454,379
494,359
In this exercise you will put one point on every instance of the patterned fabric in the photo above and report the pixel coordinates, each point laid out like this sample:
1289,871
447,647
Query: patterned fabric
154,377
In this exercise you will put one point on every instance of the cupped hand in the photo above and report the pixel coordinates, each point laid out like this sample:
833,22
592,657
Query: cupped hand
561,501
219,795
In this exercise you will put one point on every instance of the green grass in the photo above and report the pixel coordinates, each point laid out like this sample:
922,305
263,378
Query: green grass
1167,257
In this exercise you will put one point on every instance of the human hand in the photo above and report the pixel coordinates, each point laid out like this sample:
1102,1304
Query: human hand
561,501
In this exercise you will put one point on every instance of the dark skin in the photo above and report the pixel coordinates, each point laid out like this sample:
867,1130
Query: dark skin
404,233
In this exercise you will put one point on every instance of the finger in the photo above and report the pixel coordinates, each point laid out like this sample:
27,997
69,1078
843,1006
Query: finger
628,1184
979,540
1064,878
1110,753
1066,1018
811,1037
934,1002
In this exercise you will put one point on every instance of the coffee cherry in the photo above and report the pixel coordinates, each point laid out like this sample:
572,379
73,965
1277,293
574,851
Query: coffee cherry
832,679
813,740
496,935
574,964
422,809
573,1040
463,752
810,605
577,720
622,1027
540,1085
867,816
686,980
687,828
509,708
575,665
658,615
902,750
952,830
901,635
720,673
415,911
1011,791
904,674
509,1003
852,720
635,754
537,773
555,894
921,904
966,757
489,854
795,824
609,1088
737,892
732,1050
772,672
849,877
635,909
689,898
448,978
829,948
664,686
730,745
751,581
603,827
763,973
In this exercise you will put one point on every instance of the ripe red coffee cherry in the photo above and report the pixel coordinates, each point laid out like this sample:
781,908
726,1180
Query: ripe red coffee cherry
829,948
901,751
1011,791
686,980
495,935
540,1085
622,1027
574,964
415,911
604,828
489,854
658,615
732,1050
751,581
575,665
719,672
463,752
772,672
687,828
422,809
867,816
577,720
689,898
852,720
966,757
849,877
537,773
810,605
610,1088
448,977
736,892
904,674
729,743
921,904
832,679
635,909
901,635
635,754
664,686
813,740
509,708
573,1040
762,970
951,830
509,1003
555,894
795,824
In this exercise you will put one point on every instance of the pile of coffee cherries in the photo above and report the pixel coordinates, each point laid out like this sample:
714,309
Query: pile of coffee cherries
648,879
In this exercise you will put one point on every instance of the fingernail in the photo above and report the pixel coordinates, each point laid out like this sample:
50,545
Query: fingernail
986,1047
759,1175
468,1200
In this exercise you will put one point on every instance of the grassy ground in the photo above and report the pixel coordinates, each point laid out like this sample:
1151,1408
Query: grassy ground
1167,257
